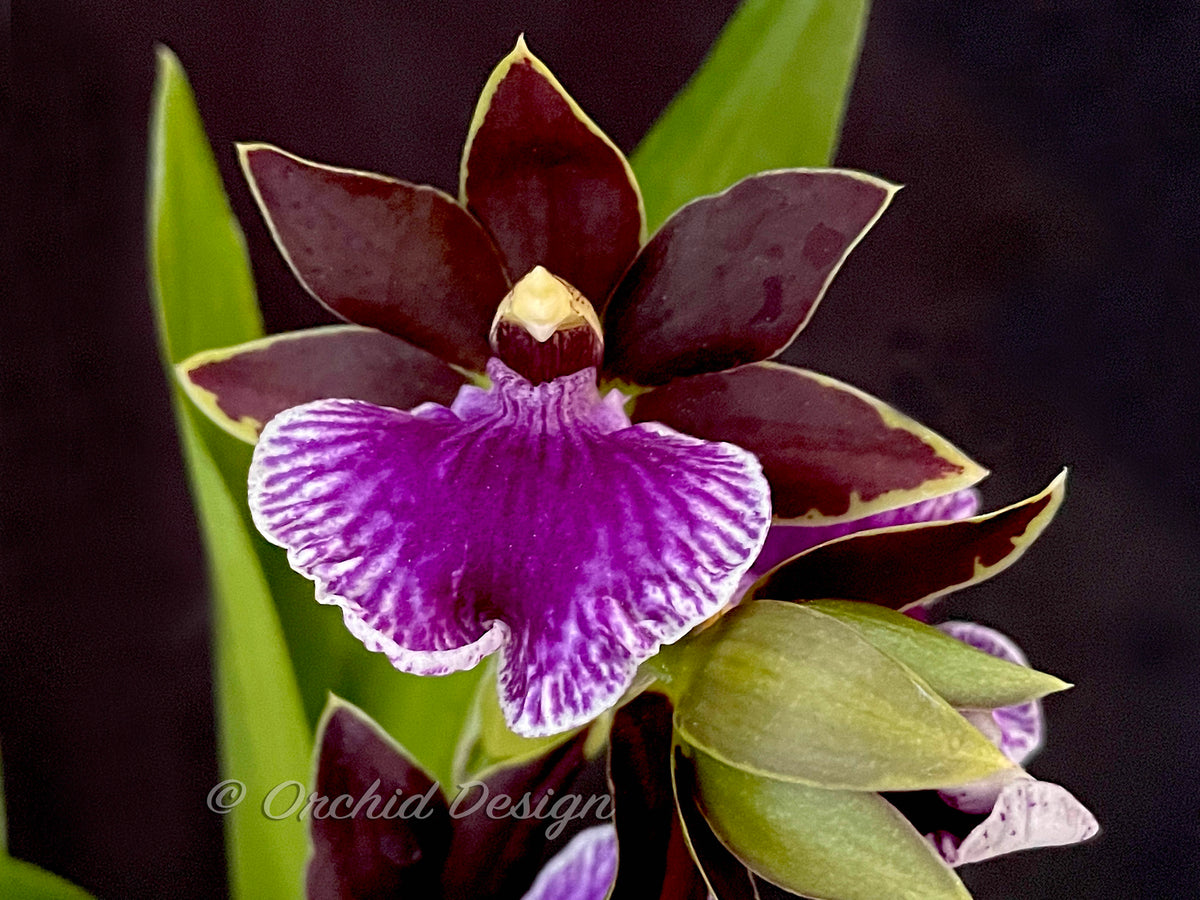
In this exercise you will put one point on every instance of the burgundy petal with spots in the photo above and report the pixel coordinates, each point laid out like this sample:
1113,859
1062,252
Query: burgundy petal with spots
529,519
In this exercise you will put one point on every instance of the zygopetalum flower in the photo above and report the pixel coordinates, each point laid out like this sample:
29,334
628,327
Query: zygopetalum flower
448,470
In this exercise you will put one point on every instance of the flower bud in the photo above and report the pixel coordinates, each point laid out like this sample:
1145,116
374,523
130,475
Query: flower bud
545,328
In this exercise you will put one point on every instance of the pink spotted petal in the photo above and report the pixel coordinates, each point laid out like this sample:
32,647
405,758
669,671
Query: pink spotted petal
582,870
1026,814
530,519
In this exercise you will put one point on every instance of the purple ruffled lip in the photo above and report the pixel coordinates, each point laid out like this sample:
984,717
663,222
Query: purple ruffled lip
533,520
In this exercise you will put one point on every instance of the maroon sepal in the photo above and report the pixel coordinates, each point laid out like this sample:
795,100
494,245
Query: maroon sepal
732,278
490,839
403,258
498,854
653,861
830,452
242,388
392,837
910,564
549,186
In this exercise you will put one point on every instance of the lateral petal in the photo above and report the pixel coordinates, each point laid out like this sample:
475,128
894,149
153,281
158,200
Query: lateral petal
831,452
403,258
732,278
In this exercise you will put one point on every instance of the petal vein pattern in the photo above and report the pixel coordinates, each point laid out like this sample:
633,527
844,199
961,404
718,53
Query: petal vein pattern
530,519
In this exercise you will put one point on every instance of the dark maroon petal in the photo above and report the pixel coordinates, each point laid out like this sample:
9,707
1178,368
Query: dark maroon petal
785,541
726,875
732,278
242,388
403,258
830,452
547,183
385,830
902,566
639,771
550,799
654,862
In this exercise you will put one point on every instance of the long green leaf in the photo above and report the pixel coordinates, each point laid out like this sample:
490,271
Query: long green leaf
20,880
204,295
769,96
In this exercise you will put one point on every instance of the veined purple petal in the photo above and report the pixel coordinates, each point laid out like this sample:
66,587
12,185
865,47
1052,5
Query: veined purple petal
582,870
786,541
1027,813
1017,730
533,519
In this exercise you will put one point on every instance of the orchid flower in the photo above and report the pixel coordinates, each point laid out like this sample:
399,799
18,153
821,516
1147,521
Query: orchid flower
448,468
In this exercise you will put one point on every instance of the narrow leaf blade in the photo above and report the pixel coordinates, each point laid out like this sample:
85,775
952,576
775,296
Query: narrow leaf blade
769,96
204,295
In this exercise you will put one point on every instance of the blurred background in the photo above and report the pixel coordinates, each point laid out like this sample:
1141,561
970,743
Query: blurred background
1031,294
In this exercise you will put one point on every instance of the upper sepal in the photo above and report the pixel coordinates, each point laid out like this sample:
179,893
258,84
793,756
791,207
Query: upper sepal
242,388
403,258
906,565
547,183
830,452
732,278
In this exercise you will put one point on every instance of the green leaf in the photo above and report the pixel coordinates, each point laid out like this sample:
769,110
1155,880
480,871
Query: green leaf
965,677
836,845
769,96
784,691
204,296
264,737
20,880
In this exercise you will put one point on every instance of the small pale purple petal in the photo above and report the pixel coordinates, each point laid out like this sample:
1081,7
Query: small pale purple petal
1027,814
533,519
1018,730
582,870
785,541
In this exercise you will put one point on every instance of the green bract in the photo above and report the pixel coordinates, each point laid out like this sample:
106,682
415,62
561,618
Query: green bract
966,678
785,691
850,845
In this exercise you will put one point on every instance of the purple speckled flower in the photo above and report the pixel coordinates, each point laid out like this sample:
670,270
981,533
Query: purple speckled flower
1014,811
517,507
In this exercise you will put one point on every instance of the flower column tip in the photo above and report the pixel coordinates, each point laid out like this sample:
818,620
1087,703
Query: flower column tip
544,328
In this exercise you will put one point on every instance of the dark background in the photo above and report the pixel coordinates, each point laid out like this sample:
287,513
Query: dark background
1031,294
